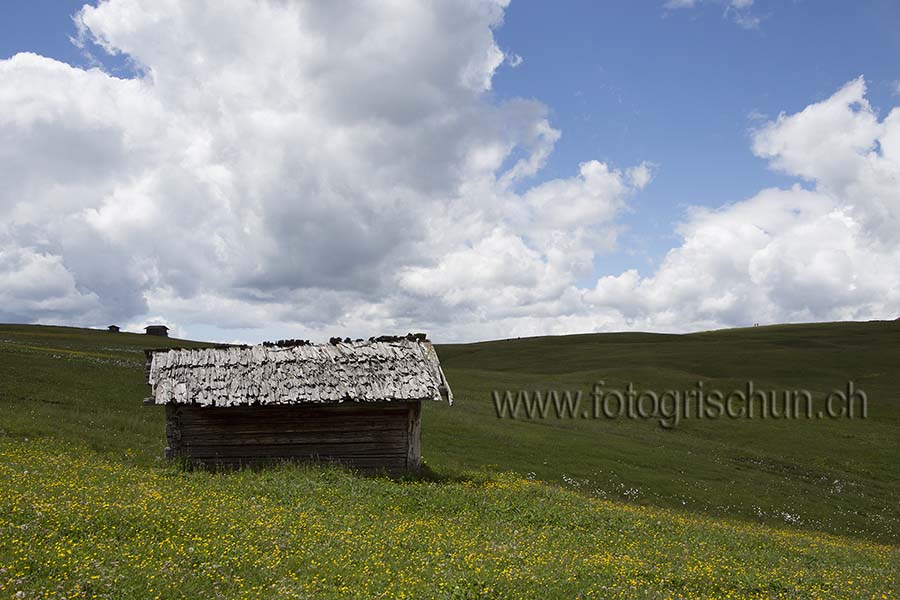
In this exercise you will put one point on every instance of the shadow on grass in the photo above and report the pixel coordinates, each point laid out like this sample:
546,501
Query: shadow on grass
424,474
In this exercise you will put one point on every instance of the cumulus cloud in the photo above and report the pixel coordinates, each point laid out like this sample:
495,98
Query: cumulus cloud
826,251
295,163
33,283
304,169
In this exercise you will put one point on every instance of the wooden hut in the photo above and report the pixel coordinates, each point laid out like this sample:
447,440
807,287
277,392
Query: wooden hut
113,329
356,403
160,330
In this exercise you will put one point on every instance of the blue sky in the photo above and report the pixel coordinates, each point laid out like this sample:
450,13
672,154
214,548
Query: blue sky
685,89
41,26
631,81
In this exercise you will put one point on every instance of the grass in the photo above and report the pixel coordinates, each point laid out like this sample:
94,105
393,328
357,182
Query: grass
511,508
834,475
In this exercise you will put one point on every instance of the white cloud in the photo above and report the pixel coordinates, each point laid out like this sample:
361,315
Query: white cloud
514,60
828,252
680,4
298,169
288,163
529,261
739,11
31,282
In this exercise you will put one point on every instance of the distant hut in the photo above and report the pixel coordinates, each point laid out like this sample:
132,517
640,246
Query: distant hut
113,328
356,403
160,330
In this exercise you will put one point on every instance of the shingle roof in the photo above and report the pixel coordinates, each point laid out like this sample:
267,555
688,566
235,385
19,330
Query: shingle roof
355,371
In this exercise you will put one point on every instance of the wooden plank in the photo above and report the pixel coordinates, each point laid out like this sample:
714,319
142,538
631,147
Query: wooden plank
288,450
361,460
413,436
173,432
396,426
274,411
395,437
361,435
393,424
215,422
325,424
227,415
394,467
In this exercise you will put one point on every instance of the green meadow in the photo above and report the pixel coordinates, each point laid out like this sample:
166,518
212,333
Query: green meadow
504,508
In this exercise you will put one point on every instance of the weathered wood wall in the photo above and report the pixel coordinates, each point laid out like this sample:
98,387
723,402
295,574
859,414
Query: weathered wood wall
364,435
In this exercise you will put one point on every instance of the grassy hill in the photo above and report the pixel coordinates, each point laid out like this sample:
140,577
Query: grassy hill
835,475
511,508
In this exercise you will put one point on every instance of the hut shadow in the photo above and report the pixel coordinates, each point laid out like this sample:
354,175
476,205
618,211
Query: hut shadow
424,474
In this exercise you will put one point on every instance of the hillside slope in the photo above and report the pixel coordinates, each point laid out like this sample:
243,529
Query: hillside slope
89,509
835,475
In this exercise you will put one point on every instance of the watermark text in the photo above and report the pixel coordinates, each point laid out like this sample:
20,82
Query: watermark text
670,407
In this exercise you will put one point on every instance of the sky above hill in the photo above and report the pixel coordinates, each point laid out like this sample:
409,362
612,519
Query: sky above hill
475,169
